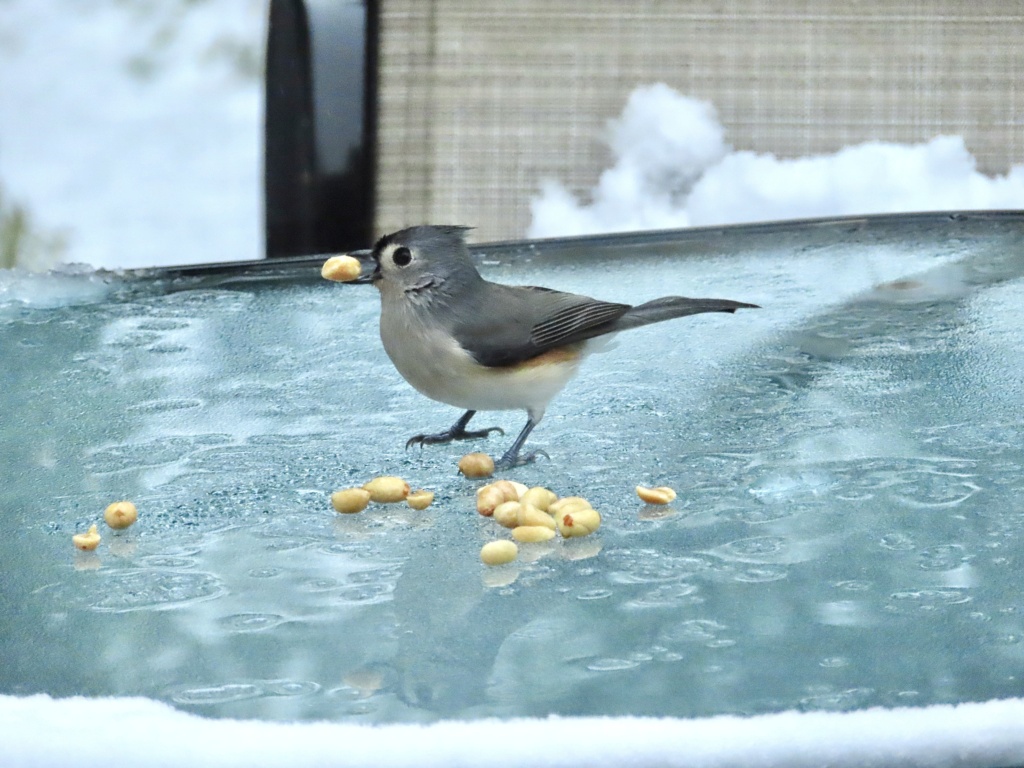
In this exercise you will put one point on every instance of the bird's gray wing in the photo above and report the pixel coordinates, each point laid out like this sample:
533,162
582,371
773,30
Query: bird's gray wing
505,324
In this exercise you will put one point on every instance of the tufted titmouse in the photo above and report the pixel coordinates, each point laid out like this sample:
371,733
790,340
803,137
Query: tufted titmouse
462,340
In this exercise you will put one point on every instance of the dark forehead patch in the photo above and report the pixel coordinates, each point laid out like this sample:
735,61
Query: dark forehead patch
381,244
425,235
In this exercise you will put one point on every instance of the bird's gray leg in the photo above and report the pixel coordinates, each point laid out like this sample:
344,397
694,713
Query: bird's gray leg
512,457
457,431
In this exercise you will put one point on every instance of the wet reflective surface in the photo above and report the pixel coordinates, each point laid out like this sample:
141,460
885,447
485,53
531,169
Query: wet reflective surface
848,459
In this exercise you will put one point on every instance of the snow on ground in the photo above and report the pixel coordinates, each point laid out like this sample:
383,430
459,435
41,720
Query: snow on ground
673,168
40,731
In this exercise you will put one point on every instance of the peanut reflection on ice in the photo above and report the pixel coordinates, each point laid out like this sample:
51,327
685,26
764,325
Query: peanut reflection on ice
341,269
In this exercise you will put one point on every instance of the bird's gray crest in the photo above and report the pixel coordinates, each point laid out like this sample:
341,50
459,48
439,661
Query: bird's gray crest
433,238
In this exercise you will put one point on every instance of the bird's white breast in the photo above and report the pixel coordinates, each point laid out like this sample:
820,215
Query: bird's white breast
434,363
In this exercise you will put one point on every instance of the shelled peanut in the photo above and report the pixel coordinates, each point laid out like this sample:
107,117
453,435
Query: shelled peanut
385,489
342,269
660,495
120,515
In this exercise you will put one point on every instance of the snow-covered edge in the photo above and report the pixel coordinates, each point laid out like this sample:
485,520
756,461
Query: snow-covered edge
42,731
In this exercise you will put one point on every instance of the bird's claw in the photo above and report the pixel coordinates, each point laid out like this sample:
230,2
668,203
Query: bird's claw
508,462
450,435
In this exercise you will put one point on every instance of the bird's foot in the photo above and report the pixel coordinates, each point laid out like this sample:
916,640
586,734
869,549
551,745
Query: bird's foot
510,460
450,435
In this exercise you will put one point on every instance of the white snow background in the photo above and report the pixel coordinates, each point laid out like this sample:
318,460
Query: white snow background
125,127
163,168
674,168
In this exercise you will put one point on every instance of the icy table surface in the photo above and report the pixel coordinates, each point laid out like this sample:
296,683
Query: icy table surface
848,531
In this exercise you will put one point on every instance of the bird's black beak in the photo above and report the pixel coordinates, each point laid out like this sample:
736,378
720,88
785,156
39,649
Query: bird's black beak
365,257
367,279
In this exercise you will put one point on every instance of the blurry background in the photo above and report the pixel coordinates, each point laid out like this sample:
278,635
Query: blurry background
481,102
132,131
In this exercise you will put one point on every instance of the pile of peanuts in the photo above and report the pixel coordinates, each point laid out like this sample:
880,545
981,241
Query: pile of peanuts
533,514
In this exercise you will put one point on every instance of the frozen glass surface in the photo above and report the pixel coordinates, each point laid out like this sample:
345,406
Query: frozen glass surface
848,460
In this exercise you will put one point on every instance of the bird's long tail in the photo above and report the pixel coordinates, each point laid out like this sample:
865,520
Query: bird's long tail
668,307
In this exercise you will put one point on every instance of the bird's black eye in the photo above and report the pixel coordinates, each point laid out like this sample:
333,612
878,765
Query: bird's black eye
402,256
